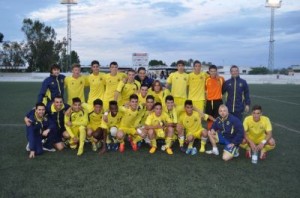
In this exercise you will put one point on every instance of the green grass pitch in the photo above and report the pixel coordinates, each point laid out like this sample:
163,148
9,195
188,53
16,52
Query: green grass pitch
139,174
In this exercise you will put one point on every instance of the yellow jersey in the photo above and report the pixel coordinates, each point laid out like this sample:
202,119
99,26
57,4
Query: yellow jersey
196,85
192,123
126,89
77,119
112,121
256,131
154,120
111,84
75,88
130,117
179,84
161,96
97,88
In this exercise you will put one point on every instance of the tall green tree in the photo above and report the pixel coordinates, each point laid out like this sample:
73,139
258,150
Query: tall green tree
42,47
156,63
13,54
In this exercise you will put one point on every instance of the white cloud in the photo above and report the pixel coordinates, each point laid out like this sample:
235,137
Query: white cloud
113,30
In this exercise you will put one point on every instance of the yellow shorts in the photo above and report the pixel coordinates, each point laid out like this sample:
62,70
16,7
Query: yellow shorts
196,135
199,104
257,140
128,131
93,127
160,134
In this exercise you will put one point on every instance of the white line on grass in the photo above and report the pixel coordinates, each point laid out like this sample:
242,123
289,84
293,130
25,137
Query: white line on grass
285,127
292,103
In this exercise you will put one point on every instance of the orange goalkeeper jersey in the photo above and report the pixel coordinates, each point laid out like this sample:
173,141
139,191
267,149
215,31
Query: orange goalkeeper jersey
213,88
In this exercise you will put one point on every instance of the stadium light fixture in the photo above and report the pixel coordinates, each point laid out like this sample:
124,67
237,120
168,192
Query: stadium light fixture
273,4
69,3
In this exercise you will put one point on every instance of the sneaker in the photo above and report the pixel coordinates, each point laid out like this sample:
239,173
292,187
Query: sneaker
80,152
212,152
182,149
49,150
163,147
94,146
134,146
202,149
236,153
188,151
152,150
122,148
248,154
169,151
194,151
263,155
139,144
109,147
27,147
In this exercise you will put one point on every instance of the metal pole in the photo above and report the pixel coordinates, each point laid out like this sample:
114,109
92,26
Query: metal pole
271,42
69,37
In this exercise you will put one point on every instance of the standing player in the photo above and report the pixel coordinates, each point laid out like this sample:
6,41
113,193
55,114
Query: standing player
96,83
228,130
75,84
76,121
213,87
111,82
143,78
127,87
258,133
237,91
179,82
128,124
158,125
52,86
191,122
38,126
93,127
196,85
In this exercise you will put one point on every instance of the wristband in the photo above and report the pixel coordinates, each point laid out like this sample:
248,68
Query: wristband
264,141
105,113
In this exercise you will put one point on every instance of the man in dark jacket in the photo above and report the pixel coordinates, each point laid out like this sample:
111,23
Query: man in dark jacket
143,78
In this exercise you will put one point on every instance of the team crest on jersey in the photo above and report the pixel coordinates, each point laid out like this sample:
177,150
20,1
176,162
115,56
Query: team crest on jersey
195,120
241,84
184,79
81,82
229,84
119,79
227,123
52,83
61,80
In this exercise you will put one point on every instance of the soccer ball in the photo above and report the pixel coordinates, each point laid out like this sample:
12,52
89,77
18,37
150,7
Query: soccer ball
113,131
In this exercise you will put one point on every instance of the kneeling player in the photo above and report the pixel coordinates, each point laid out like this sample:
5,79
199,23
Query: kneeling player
158,125
75,122
94,133
228,130
38,126
191,122
258,133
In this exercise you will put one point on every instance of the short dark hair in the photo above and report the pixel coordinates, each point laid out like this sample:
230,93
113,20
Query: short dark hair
113,102
212,67
58,96
75,65
256,107
180,62
234,66
196,62
76,99
95,62
133,96
169,97
113,63
188,102
150,97
39,104
54,66
98,102
157,104
141,68
130,70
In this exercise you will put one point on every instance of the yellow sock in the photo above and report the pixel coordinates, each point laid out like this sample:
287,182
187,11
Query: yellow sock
136,138
82,136
245,146
153,143
181,141
203,143
168,142
268,147
191,144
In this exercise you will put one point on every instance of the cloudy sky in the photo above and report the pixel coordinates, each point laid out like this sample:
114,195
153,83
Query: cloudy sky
223,32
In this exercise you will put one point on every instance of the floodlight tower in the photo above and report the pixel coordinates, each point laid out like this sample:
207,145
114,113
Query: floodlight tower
69,3
273,4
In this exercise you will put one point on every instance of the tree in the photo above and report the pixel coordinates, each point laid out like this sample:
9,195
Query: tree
259,70
13,54
156,63
42,47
